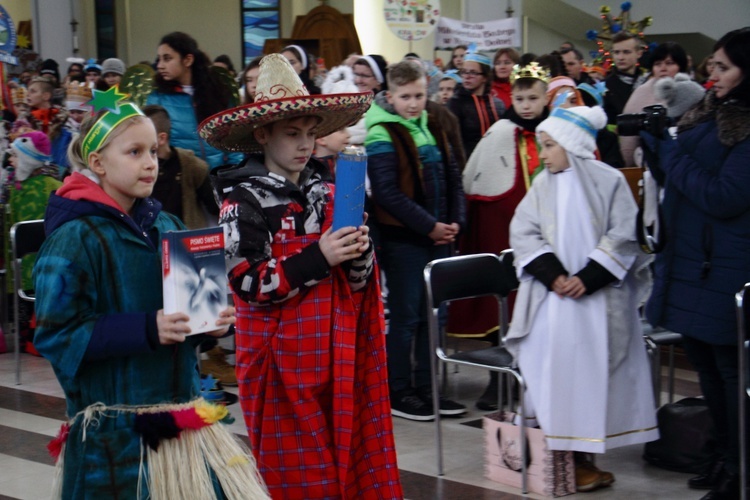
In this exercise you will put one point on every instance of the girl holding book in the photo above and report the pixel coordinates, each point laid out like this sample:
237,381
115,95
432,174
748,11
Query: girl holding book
128,370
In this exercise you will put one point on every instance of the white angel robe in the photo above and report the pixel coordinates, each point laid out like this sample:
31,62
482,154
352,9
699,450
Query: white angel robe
584,360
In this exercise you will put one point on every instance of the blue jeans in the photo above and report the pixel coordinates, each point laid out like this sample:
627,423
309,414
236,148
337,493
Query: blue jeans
404,264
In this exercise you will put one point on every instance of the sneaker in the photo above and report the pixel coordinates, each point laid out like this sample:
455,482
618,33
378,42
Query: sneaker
406,404
217,366
448,408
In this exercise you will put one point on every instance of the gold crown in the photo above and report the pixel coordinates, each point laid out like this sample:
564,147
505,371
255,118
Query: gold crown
18,95
77,92
531,70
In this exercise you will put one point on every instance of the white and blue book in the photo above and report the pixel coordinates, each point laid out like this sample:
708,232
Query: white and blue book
194,276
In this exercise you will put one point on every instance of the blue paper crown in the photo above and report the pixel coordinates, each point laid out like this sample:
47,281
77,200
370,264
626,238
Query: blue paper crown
575,119
477,58
452,73
596,91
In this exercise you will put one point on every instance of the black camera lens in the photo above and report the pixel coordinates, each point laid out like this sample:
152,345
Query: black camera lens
630,124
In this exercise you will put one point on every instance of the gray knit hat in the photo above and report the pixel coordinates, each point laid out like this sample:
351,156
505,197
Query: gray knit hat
678,94
113,65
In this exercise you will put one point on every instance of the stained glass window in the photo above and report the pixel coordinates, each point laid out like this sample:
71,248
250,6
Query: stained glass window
260,21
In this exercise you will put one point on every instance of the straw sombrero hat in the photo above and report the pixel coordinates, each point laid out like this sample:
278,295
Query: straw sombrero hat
280,94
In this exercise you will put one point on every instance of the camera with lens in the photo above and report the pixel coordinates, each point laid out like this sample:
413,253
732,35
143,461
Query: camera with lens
653,120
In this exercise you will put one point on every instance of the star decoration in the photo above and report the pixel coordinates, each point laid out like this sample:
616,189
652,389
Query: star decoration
23,42
109,99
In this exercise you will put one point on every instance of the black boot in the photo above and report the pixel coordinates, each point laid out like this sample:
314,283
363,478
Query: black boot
709,478
727,488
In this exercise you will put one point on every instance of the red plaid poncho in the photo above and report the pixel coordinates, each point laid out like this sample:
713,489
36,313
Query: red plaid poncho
313,388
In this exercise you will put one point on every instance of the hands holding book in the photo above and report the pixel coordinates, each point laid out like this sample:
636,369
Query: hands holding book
173,328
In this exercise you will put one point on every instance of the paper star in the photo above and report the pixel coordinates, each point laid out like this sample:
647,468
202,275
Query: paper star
23,42
107,99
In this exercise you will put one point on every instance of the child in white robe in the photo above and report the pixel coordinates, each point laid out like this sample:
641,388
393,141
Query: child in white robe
576,334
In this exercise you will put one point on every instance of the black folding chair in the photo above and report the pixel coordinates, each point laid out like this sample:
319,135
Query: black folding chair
464,277
25,238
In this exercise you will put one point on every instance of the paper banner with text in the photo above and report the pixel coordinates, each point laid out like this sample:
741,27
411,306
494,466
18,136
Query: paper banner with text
411,19
489,35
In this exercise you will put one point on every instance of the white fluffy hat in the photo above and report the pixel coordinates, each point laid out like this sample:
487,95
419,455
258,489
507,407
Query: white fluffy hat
575,129
32,151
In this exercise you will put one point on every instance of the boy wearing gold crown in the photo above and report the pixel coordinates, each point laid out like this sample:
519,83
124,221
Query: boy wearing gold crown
496,178
311,365
576,333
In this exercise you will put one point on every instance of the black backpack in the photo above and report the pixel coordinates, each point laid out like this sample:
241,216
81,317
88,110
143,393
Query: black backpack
687,439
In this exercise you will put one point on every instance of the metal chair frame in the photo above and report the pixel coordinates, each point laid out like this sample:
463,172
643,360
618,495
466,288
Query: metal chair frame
26,237
743,379
463,277
654,341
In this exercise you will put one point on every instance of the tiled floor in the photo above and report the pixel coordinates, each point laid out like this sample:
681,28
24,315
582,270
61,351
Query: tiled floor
31,413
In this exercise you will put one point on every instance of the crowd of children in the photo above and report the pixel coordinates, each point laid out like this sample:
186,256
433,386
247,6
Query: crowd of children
511,151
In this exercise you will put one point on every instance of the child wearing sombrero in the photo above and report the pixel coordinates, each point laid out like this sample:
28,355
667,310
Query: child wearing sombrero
311,364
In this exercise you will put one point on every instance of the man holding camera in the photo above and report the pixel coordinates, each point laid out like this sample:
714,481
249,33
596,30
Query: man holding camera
626,77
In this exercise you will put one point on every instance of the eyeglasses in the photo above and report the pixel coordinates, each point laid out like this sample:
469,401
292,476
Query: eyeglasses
468,72
360,75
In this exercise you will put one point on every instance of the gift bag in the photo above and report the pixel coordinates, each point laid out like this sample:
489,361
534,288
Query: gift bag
550,473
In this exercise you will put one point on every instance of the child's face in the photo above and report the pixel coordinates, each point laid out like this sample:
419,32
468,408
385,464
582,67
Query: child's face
338,140
77,114
530,103
21,108
473,77
503,67
128,167
293,60
563,97
408,100
552,154
35,97
251,81
92,77
446,89
112,79
458,57
172,66
288,145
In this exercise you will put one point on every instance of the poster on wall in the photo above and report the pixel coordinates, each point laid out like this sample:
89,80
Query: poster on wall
7,38
412,19
489,35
